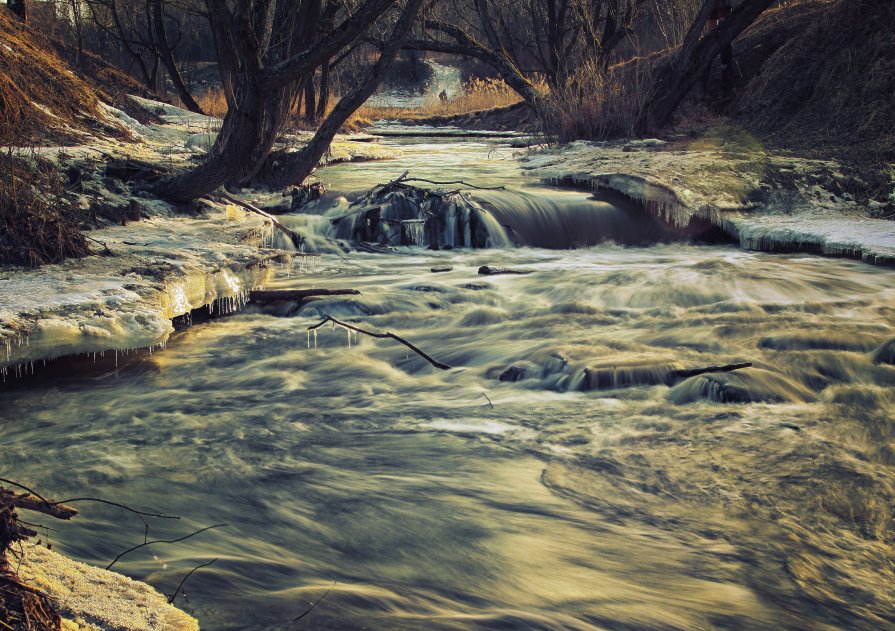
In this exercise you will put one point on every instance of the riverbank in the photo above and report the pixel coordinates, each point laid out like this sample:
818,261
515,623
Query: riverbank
162,264
763,199
91,599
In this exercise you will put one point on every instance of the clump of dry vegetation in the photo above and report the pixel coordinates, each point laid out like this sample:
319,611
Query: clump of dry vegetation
598,103
476,95
38,222
213,102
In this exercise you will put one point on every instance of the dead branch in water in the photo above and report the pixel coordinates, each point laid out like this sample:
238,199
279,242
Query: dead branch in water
147,543
190,573
314,604
397,338
680,375
297,239
404,177
461,182
264,296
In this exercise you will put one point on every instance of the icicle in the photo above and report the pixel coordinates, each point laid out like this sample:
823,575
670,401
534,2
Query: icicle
315,338
309,338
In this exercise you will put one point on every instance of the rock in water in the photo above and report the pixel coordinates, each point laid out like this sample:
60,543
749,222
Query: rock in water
513,373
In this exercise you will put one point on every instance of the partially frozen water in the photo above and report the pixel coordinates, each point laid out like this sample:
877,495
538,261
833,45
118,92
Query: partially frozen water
596,492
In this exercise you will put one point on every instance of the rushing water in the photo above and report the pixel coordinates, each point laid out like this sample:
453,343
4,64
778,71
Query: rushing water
597,492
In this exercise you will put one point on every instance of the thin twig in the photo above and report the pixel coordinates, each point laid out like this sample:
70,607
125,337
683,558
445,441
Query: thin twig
488,399
464,183
315,603
428,358
127,508
190,573
147,543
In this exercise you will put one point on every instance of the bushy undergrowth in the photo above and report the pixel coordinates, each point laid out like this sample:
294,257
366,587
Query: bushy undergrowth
38,223
598,103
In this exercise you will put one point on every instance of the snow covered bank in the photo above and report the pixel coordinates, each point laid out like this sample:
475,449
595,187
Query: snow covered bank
766,201
92,599
149,271
160,268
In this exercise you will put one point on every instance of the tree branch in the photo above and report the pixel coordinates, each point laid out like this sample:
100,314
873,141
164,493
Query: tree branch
397,338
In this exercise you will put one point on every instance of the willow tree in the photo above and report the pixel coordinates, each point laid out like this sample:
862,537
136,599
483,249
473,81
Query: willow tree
263,54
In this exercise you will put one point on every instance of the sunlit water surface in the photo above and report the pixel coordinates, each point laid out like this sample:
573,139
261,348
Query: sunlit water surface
451,500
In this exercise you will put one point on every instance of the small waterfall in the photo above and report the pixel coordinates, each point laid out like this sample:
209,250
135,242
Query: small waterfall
399,214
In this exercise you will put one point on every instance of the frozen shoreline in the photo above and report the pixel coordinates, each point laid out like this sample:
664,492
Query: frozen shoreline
92,599
160,267
733,188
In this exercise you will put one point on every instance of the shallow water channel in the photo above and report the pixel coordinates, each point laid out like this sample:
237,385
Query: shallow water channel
599,491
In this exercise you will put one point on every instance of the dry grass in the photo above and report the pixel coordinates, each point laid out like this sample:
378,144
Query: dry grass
38,222
40,97
477,95
600,104
213,102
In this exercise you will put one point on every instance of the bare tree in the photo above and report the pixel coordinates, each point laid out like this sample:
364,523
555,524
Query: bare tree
693,60
262,56
519,40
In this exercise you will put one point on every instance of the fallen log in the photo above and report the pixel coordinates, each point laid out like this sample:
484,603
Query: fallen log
264,296
492,270
397,338
26,501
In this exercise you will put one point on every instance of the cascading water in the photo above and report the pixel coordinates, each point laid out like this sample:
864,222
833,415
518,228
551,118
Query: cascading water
552,219
567,474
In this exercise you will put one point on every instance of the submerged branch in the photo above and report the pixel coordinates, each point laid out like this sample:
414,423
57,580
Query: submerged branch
678,375
315,603
147,543
182,582
264,296
397,338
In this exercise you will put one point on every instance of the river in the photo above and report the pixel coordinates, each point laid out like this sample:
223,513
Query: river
599,491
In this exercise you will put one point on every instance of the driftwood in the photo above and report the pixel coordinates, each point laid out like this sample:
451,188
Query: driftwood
397,338
27,501
297,239
680,375
491,270
264,296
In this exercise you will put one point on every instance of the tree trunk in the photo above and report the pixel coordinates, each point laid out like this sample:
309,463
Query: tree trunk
167,56
246,137
323,97
310,100
18,8
693,60
293,168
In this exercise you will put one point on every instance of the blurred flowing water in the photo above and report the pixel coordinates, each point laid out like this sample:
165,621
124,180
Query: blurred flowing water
597,492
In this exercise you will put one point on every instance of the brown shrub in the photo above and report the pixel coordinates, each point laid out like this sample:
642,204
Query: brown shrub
599,104
38,224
